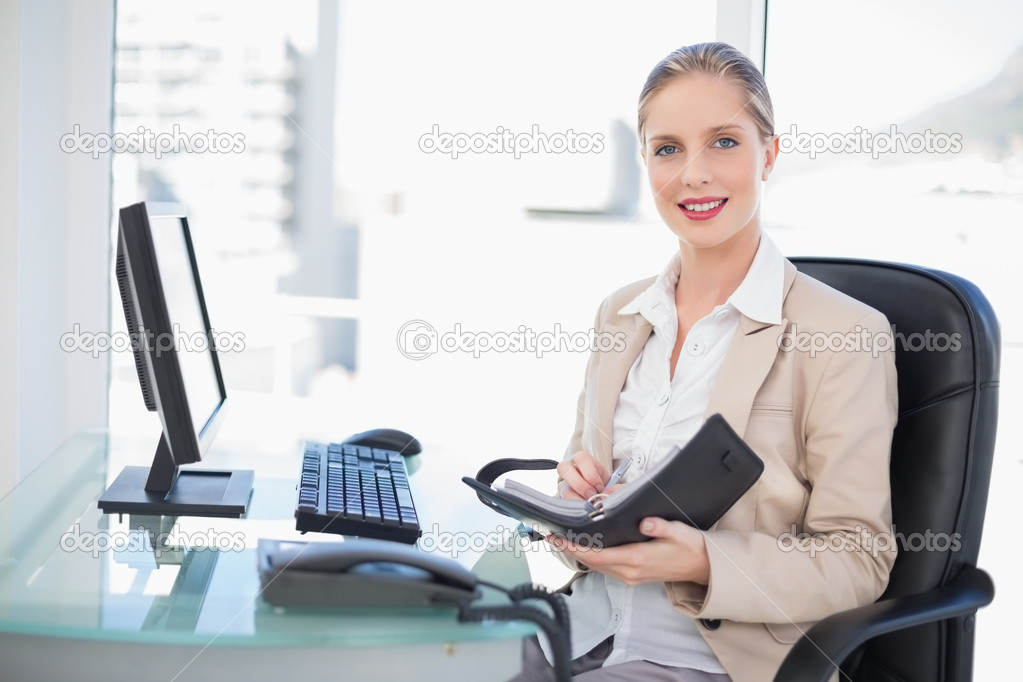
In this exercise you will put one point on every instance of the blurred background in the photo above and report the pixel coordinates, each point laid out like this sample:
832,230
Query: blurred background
333,228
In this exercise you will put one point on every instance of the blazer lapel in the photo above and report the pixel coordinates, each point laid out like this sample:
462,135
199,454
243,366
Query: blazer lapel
611,374
746,365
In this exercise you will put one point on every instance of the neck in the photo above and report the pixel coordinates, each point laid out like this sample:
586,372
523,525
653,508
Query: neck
709,276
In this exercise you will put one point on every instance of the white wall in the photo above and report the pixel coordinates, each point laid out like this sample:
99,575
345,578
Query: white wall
55,210
741,24
10,46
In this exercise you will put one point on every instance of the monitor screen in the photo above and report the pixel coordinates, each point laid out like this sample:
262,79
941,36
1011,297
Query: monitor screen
178,370
195,350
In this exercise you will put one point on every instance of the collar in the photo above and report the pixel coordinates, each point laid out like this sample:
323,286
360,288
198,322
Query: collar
758,297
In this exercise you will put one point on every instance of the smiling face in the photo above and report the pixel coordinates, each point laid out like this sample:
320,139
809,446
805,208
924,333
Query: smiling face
706,161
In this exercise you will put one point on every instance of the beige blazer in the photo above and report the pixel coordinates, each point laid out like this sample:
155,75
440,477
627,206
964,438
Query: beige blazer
822,422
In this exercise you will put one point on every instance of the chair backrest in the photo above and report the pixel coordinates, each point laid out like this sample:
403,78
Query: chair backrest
948,347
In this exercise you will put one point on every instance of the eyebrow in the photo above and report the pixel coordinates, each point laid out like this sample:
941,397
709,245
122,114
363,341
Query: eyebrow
713,130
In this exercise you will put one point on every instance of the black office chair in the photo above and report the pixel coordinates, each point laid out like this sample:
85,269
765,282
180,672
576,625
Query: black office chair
922,627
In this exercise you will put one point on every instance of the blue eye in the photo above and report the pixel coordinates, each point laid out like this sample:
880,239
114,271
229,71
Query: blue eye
720,144
667,149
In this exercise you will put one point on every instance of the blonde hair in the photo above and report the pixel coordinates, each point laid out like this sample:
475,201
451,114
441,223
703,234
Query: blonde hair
718,60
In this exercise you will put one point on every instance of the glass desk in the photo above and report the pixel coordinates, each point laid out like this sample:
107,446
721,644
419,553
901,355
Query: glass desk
87,596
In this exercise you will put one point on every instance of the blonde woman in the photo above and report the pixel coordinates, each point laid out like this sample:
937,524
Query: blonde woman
703,337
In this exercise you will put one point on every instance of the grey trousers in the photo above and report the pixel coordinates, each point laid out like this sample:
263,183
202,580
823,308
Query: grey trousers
587,668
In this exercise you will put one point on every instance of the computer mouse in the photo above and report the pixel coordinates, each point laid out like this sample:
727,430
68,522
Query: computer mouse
387,439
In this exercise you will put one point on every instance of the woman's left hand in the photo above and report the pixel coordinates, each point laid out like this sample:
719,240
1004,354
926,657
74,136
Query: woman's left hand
677,552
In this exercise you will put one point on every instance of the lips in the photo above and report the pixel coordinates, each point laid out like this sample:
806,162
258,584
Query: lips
702,208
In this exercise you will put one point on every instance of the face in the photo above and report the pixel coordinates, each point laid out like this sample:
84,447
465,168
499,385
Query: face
706,161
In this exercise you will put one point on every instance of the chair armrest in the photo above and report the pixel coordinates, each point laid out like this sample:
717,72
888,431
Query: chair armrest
817,654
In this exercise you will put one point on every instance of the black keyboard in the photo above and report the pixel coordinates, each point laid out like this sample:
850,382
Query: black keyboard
356,490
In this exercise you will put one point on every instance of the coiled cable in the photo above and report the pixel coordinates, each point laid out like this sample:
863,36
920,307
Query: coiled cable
557,629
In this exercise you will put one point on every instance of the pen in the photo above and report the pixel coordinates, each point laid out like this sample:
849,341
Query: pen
619,472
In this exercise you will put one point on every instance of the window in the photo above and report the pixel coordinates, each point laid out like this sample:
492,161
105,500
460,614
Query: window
341,233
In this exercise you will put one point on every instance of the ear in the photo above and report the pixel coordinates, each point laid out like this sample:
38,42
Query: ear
642,152
770,157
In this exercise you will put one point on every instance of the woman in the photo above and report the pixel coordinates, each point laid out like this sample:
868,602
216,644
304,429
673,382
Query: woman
708,335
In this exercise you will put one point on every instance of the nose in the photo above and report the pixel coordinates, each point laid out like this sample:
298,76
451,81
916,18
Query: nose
696,170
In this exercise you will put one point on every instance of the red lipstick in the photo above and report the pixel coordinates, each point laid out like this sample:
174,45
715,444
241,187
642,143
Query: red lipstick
702,215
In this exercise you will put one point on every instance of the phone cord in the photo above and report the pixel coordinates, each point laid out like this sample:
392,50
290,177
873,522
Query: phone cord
557,629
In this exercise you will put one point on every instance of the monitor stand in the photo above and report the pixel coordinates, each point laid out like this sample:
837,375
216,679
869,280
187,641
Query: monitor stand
165,489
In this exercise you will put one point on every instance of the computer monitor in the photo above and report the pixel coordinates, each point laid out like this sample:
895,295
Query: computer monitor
178,370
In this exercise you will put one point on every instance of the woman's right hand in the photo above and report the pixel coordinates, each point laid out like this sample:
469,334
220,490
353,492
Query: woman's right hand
582,477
